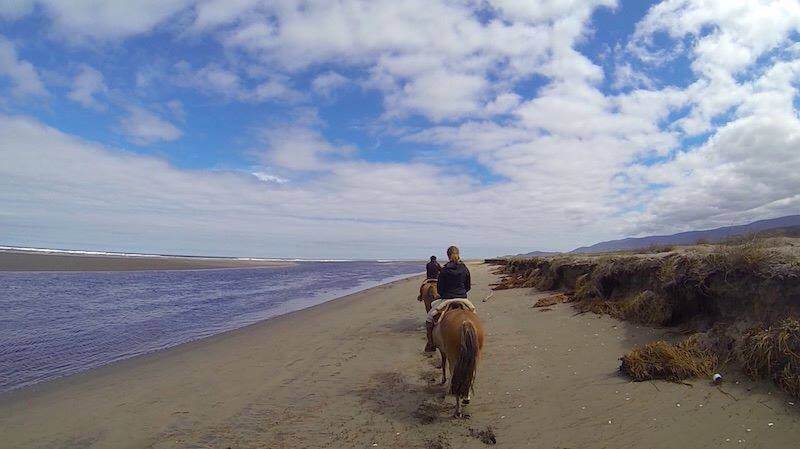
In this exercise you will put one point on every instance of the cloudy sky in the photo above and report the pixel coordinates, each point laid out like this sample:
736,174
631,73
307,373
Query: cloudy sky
386,129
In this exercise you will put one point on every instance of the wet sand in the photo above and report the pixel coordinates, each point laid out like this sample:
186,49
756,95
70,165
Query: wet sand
350,373
29,261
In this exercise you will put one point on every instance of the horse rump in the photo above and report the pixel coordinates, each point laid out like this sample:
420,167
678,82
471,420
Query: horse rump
464,368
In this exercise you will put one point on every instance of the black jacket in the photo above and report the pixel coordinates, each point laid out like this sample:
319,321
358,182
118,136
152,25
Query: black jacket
454,281
433,268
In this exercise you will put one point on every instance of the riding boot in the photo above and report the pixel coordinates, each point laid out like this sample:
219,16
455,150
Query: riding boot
429,347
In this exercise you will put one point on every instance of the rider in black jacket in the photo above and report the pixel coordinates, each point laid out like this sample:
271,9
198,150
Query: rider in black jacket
433,268
454,282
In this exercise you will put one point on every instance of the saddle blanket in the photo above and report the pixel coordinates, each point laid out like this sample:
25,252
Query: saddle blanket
441,304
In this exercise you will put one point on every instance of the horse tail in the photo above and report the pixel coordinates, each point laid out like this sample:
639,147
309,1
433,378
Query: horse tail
464,368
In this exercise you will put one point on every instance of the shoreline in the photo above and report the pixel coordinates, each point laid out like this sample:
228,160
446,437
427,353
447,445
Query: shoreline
17,261
350,372
388,282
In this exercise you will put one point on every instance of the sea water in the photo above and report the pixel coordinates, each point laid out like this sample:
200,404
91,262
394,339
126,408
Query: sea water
53,324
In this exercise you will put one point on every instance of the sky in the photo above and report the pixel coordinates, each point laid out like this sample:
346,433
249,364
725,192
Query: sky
386,129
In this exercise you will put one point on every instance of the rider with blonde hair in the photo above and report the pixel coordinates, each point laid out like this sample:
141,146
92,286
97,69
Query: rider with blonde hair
454,282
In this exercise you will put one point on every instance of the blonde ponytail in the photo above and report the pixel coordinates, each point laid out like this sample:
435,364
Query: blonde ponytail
453,254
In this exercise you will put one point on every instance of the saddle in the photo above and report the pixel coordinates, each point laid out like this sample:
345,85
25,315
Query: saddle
452,304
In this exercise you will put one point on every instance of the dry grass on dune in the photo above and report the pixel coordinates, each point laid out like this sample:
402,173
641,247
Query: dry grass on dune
647,308
722,289
774,352
552,300
598,307
748,256
662,360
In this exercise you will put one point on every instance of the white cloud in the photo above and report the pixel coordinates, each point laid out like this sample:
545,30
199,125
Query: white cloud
747,171
267,177
300,148
23,76
275,89
738,30
503,103
581,148
144,127
743,99
352,208
100,19
440,95
538,11
209,79
86,85
326,83
625,76
212,13
213,79
725,39
436,59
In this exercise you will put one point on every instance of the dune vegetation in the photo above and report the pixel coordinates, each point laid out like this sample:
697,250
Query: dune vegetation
739,302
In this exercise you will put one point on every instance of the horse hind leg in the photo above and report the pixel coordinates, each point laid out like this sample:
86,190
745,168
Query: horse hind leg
461,405
444,367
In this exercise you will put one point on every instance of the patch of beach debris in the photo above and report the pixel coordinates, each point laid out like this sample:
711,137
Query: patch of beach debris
486,436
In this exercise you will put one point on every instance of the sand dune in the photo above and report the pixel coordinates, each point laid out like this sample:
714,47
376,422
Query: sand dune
350,373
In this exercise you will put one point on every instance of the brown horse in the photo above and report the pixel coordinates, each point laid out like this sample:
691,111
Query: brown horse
459,337
428,292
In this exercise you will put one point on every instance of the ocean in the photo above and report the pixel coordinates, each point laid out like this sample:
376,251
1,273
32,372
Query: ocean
53,324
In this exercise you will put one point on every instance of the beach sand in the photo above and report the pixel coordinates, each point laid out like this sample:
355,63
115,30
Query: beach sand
11,260
351,373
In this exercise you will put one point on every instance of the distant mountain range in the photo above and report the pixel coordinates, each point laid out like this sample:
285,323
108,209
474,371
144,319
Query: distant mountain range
532,254
789,225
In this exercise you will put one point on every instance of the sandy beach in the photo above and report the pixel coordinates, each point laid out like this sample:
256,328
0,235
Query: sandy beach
11,260
351,373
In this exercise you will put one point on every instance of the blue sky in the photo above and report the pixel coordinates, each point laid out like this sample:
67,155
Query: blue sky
355,129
